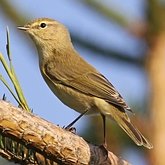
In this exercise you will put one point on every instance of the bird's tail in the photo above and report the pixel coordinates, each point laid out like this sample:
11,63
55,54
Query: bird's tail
124,122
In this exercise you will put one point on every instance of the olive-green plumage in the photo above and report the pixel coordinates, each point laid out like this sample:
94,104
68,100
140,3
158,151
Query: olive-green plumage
75,82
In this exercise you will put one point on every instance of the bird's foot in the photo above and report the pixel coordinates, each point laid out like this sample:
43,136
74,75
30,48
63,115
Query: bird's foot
70,129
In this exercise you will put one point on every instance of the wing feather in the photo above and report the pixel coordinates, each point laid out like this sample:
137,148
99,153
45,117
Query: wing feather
90,82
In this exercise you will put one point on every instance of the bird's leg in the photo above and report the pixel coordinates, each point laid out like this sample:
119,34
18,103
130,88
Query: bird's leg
104,129
74,121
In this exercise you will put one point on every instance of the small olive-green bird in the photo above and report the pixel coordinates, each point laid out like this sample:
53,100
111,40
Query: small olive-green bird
74,81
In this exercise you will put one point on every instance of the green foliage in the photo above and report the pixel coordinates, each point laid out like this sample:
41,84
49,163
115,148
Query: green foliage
18,93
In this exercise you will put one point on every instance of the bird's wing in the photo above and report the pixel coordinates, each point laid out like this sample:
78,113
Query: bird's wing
90,83
97,85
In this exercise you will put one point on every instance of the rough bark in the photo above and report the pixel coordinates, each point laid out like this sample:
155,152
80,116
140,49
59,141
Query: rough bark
29,139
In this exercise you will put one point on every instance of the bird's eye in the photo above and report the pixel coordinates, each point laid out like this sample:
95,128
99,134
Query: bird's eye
43,25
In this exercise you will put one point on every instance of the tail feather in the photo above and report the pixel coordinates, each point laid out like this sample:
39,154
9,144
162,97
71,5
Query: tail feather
146,143
131,131
124,122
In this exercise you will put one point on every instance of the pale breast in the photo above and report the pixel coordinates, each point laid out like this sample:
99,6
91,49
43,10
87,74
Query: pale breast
72,98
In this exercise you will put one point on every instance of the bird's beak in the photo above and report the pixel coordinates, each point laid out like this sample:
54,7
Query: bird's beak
24,28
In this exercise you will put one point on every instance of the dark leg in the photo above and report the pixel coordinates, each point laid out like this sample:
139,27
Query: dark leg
74,121
104,129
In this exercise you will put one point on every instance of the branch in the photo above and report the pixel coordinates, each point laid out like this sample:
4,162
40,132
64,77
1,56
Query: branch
108,52
106,11
11,12
30,139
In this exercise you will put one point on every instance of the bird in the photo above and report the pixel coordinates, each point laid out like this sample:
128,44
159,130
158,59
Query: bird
74,81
